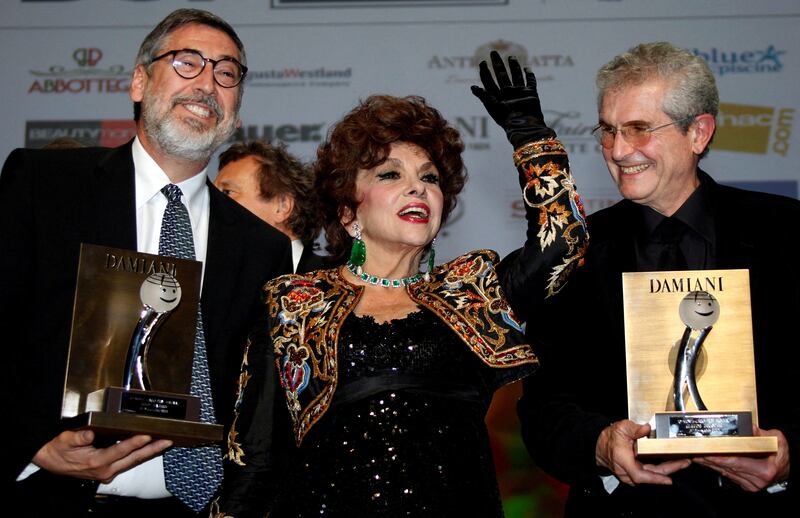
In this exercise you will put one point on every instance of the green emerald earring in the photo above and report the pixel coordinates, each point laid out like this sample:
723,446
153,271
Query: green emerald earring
358,252
431,259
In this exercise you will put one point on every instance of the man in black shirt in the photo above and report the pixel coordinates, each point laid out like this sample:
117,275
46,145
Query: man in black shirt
657,107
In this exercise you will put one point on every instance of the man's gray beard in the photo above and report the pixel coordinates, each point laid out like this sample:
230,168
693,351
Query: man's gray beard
176,140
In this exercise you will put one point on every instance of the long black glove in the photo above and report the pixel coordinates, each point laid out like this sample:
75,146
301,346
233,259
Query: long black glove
512,102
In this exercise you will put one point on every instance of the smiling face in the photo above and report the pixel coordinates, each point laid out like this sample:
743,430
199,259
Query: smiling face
186,118
160,291
400,201
699,309
663,172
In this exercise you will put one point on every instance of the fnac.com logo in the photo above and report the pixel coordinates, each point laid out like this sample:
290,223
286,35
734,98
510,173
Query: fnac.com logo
754,129
87,77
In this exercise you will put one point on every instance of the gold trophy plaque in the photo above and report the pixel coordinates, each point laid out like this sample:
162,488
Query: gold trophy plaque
690,365
131,348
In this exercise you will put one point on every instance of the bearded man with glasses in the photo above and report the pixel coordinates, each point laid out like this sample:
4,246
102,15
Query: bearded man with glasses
187,91
657,107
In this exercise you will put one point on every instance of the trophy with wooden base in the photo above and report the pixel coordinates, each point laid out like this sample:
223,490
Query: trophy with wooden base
131,348
690,365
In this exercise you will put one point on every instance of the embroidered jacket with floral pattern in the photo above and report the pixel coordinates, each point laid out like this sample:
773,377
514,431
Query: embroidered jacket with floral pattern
306,314
557,236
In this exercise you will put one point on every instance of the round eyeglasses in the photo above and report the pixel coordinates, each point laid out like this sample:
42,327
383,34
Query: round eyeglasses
635,134
189,63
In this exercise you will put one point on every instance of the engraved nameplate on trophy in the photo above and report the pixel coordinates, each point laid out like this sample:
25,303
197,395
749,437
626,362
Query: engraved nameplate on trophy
131,347
690,364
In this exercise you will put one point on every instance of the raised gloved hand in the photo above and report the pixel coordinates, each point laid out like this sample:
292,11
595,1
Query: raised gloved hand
512,102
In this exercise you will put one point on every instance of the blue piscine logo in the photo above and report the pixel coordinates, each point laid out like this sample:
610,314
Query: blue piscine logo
724,62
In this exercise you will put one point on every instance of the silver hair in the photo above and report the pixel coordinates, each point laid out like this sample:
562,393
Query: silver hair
692,89
180,18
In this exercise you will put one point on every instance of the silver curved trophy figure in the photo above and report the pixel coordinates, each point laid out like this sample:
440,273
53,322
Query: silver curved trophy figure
699,311
160,294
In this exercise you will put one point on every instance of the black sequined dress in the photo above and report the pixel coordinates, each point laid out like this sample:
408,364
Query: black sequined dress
405,434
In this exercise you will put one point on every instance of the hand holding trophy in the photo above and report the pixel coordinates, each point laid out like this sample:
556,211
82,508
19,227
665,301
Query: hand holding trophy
131,348
666,375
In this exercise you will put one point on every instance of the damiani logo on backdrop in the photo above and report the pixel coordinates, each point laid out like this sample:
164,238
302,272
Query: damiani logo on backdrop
754,129
478,131
84,75
464,69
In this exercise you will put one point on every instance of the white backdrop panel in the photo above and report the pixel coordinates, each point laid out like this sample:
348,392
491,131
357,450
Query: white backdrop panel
311,65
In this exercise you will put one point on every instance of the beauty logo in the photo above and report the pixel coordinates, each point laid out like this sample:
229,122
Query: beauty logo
106,133
754,129
724,62
85,77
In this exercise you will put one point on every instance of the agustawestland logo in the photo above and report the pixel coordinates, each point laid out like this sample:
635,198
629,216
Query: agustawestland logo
756,61
85,76
107,133
323,77
754,129
464,69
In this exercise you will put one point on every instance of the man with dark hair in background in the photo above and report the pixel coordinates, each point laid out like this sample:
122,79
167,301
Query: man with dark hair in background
275,186
186,86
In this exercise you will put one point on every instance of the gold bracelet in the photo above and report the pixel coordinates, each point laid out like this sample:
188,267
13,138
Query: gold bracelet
538,148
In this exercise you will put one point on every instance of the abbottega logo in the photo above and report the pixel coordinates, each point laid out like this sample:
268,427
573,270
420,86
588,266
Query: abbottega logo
86,75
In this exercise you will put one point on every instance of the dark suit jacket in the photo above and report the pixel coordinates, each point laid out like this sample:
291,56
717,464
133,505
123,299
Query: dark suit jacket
309,261
581,387
52,201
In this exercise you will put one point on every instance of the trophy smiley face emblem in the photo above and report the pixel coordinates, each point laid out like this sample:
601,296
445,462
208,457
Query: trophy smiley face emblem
699,310
160,291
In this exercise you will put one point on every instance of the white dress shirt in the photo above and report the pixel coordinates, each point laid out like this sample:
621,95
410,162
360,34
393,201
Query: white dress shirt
297,253
147,479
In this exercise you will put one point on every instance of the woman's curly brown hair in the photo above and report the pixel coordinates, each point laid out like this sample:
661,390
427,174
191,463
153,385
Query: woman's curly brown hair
361,140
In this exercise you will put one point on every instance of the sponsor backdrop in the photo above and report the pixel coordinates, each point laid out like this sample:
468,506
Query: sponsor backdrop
67,65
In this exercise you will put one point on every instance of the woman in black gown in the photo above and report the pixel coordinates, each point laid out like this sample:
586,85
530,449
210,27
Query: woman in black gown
385,372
